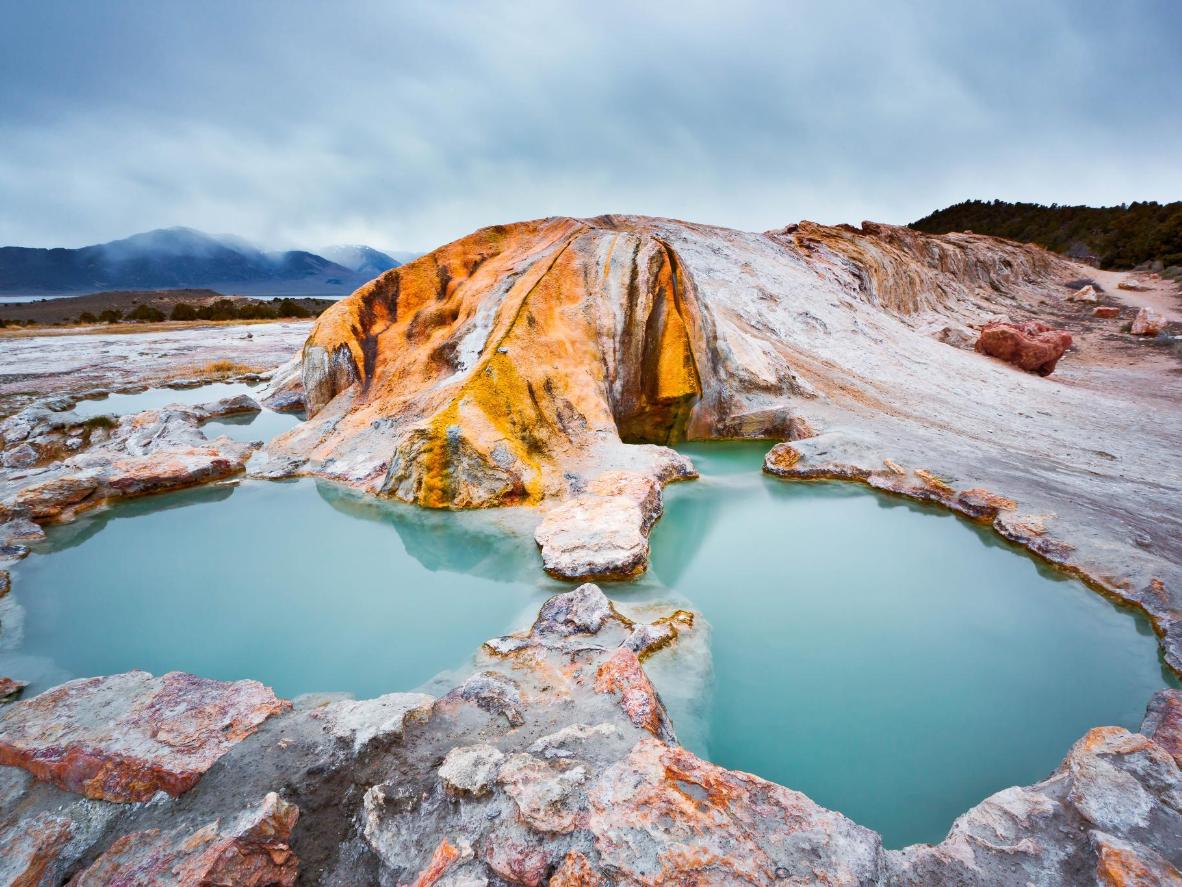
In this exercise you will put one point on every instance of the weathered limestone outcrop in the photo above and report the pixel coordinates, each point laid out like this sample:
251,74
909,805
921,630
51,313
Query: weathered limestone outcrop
1108,815
128,736
555,763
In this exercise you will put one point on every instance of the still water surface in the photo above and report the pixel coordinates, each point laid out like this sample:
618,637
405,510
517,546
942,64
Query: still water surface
893,662
262,426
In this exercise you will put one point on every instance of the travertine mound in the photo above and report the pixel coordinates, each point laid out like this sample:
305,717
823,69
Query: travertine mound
519,363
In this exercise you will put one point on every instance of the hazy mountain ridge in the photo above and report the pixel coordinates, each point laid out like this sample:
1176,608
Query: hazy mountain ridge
183,257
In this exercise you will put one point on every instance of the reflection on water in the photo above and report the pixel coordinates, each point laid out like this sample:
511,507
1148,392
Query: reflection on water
155,398
260,426
267,580
891,661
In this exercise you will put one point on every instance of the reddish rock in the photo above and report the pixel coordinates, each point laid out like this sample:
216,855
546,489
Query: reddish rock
445,854
1032,346
1163,721
46,500
1108,311
1128,864
10,690
782,456
623,675
29,849
662,815
252,851
1147,323
127,736
981,503
137,475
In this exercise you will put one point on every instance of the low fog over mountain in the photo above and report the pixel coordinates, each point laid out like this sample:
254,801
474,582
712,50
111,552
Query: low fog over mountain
183,257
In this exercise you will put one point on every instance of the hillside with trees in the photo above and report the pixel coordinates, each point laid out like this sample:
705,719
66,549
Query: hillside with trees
1120,237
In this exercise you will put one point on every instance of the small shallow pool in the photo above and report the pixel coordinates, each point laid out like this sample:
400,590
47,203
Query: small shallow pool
262,425
891,661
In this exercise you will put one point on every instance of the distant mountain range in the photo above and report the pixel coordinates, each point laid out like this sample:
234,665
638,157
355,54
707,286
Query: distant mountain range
170,258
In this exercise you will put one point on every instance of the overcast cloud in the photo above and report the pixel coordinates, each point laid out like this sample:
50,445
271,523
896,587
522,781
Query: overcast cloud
407,125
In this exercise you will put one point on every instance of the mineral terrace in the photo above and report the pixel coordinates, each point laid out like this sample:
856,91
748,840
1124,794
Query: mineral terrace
549,365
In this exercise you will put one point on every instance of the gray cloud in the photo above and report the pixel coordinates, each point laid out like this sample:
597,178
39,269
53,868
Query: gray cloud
406,125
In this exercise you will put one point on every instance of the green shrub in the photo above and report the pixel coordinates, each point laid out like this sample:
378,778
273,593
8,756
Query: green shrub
111,315
146,313
87,317
289,308
183,311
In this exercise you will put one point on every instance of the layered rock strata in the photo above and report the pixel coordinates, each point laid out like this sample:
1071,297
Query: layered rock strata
556,763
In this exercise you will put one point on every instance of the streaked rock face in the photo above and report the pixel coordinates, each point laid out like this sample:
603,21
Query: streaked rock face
520,363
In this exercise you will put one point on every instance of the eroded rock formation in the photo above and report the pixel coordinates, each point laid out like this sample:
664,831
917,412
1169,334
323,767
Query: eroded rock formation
521,362
556,763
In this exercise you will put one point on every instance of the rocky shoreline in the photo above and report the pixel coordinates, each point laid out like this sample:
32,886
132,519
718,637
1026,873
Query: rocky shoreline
552,364
554,762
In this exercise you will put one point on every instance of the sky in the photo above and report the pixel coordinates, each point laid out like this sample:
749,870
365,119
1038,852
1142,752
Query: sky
407,125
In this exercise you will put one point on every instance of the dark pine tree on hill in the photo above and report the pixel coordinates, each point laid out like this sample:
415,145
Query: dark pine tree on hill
1119,237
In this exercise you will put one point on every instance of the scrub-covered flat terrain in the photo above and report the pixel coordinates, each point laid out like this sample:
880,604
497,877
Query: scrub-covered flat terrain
549,364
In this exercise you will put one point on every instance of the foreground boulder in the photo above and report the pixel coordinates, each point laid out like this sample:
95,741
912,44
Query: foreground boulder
250,851
1032,346
128,736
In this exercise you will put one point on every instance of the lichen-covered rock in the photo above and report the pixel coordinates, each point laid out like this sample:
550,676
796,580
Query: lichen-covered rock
128,736
1147,323
251,851
1033,346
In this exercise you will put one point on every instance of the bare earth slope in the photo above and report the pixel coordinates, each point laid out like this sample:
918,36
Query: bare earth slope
523,364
